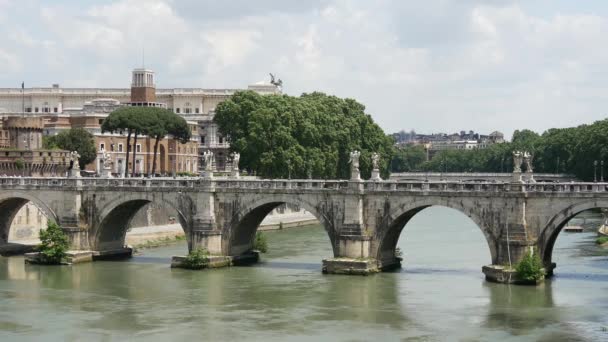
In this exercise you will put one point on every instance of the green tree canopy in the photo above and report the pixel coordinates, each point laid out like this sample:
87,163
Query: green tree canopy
571,150
152,121
75,139
310,135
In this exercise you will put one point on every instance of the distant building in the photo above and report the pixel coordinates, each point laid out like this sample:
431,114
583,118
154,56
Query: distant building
63,108
21,152
441,141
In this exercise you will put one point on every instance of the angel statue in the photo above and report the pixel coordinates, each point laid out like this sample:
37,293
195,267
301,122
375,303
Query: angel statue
235,160
528,161
354,159
517,160
208,156
276,82
375,160
75,159
106,159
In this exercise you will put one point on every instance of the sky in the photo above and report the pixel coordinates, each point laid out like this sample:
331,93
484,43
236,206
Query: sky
432,66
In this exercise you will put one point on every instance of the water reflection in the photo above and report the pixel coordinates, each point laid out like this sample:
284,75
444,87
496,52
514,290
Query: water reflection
520,309
439,295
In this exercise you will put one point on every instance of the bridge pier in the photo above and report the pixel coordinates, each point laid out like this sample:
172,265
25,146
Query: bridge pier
353,257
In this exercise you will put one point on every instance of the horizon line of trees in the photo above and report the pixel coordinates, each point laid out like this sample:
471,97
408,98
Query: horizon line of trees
572,150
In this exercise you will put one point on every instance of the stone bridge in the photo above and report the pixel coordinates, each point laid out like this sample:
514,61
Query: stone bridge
363,219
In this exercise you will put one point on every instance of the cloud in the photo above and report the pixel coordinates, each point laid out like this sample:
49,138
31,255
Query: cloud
432,66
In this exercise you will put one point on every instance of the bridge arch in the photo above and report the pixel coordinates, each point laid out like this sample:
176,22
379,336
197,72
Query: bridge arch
112,220
387,236
239,234
549,234
11,202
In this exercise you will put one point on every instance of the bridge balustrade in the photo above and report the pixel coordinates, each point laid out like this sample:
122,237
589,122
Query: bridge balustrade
308,184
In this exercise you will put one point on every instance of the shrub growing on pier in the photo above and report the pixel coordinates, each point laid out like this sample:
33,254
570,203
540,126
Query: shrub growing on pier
197,259
53,244
530,268
602,240
260,244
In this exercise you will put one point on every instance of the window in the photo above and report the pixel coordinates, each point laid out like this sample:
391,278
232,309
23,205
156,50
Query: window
196,110
186,110
112,147
138,148
28,109
35,109
100,121
129,147
55,110
119,147
102,146
177,110
221,140
202,139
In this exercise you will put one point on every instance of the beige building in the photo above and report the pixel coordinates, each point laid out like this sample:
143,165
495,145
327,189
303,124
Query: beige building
64,106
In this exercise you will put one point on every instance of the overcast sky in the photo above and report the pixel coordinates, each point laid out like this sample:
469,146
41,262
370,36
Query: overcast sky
432,66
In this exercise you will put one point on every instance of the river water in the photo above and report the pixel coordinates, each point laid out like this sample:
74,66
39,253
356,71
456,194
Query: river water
440,294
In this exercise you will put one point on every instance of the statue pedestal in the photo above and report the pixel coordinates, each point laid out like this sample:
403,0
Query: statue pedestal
516,178
235,174
106,172
208,174
529,176
355,175
376,175
75,173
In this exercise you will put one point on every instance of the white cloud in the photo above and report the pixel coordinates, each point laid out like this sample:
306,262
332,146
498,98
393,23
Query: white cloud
432,66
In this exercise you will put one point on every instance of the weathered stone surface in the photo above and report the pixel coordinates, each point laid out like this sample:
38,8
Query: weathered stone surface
363,219
350,266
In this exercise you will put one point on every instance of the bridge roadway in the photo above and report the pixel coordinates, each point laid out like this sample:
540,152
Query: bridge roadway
363,219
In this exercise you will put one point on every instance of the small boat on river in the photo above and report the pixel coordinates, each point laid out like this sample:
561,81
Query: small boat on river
573,229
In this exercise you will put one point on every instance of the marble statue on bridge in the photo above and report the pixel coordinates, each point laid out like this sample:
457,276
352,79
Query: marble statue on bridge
375,167
75,161
235,164
354,161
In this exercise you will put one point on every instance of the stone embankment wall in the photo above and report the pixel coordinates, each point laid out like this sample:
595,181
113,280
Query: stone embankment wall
29,220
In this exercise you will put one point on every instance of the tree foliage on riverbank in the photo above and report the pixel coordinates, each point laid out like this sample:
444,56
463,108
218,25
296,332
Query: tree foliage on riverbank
53,244
558,150
310,135
74,139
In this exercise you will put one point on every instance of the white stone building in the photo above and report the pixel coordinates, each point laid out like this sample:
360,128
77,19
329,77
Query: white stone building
194,104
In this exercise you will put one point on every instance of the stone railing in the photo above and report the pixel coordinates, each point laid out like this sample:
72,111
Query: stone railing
227,184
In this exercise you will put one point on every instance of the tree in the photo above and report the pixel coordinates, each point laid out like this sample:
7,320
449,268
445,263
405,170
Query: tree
118,121
74,139
300,137
53,244
408,158
163,122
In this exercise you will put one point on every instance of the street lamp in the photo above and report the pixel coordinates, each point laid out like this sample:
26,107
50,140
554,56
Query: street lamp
602,171
595,171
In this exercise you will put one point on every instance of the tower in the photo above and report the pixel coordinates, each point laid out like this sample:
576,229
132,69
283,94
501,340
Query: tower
143,88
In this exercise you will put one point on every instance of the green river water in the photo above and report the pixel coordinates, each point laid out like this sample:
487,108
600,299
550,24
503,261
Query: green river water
439,295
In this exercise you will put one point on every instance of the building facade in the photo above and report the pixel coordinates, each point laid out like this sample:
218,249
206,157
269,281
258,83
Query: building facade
64,107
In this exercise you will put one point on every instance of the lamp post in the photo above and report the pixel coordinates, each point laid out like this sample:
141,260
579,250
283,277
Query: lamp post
595,171
602,171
